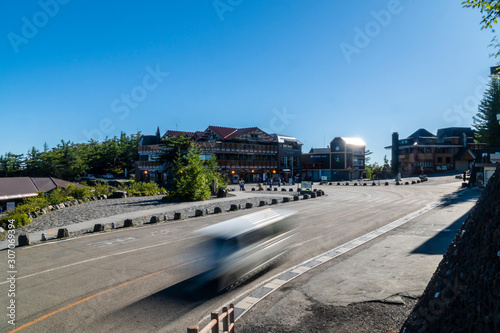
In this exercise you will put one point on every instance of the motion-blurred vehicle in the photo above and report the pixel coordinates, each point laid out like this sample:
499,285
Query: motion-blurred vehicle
239,248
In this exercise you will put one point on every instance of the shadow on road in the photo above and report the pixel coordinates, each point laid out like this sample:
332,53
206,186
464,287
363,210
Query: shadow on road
438,244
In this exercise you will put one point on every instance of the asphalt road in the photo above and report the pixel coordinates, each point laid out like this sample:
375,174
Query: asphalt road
133,280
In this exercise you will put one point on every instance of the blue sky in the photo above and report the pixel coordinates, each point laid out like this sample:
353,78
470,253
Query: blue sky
75,70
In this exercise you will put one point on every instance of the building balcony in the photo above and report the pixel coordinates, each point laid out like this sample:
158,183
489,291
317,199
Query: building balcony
149,149
232,164
225,147
148,165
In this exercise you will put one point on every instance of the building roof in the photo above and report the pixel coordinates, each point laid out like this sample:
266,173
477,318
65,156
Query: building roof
455,132
149,140
354,141
422,133
23,187
171,133
285,138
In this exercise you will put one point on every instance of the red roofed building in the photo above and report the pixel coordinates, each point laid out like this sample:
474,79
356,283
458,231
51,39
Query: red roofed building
242,153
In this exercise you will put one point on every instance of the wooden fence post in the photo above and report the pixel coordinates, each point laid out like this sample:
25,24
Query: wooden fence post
225,321
231,317
215,315
192,329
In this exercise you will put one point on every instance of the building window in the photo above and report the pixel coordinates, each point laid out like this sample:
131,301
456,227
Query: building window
425,164
448,160
440,160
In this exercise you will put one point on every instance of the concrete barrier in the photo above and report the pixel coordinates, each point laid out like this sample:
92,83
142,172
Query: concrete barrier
177,216
274,201
262,203
62,233
199,213
98,227
233,208
217,210
286,199
128,223
23,240
248,205
153,219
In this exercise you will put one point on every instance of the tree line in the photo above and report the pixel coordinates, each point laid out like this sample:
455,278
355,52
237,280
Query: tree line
70,161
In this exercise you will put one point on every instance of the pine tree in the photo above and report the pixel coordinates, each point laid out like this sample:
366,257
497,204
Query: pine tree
485,122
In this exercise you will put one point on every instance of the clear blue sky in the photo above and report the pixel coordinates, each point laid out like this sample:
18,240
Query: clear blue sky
310,69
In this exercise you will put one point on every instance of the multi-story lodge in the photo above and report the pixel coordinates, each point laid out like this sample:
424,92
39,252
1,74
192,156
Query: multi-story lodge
344,159
452,148
247,153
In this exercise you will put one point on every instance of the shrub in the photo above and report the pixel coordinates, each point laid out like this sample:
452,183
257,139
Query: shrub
20,220
79,192
57,196
32,204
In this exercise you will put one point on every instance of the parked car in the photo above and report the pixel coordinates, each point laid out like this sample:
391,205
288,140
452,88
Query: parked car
88,177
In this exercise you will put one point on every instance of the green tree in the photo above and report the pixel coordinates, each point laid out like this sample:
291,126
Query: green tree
485,121
191,179
490,10
173,146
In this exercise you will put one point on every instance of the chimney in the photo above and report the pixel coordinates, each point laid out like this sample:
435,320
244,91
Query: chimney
395,153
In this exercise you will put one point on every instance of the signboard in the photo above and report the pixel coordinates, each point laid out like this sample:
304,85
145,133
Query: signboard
306,185
11,206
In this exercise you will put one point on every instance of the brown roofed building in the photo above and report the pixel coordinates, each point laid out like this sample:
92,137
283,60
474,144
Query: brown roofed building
18,188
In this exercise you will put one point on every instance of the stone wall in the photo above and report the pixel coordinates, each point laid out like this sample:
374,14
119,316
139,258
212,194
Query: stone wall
464,292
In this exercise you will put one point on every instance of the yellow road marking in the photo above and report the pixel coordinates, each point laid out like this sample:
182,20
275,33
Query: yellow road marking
95,295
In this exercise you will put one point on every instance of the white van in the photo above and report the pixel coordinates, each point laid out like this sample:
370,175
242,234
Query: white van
242,247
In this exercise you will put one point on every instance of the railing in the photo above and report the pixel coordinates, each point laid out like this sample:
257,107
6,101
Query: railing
227,319
237,148
148,164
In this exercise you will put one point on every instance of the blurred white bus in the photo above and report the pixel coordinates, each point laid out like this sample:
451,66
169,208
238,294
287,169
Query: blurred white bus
242,247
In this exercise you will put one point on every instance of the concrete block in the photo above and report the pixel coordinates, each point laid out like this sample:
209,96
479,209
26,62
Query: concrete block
62,233
262,203
217,210
98,227
153,219
177,216
249,205
23,240
199,212
233,208
274,201
128,223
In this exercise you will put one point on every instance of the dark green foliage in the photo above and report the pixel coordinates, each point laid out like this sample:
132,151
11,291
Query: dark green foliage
70,161
193,177
490,10
20,220
485,121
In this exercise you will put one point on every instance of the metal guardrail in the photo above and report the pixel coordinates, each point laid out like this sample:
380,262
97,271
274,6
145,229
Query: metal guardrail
227,319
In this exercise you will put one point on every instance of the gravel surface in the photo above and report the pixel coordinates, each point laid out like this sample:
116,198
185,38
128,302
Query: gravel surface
370,317
109,207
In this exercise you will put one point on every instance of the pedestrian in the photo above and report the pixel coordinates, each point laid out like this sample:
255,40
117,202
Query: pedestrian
279,182
241,185
270,183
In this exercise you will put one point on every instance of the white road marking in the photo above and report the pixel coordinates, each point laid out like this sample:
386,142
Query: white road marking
101,257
